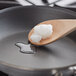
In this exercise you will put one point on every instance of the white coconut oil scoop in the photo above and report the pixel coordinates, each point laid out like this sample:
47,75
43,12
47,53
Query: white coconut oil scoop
51,30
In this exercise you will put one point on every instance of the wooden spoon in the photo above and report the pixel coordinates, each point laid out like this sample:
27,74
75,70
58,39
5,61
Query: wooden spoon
61,27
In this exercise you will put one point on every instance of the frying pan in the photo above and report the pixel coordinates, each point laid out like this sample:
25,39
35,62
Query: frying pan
15,24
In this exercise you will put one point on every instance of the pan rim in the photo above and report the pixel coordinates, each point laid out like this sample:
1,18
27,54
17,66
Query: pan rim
34,69
65,10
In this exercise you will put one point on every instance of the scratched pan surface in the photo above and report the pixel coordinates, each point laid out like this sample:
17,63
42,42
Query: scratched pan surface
15,24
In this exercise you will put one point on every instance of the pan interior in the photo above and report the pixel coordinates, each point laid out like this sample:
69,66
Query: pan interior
57,54
15,26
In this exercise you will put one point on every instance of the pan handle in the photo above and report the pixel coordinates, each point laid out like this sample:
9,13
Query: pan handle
69,71
57,72
73,69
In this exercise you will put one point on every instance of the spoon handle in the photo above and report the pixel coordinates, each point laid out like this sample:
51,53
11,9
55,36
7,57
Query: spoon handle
69,25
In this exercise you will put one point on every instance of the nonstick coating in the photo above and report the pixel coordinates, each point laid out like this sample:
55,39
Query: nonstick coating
15,24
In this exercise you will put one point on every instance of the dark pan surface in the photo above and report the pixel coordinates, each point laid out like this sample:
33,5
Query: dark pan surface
15,24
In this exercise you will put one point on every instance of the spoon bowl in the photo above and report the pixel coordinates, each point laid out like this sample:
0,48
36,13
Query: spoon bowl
61,28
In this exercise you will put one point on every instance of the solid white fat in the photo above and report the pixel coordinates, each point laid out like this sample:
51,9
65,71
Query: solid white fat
36,38
41,31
